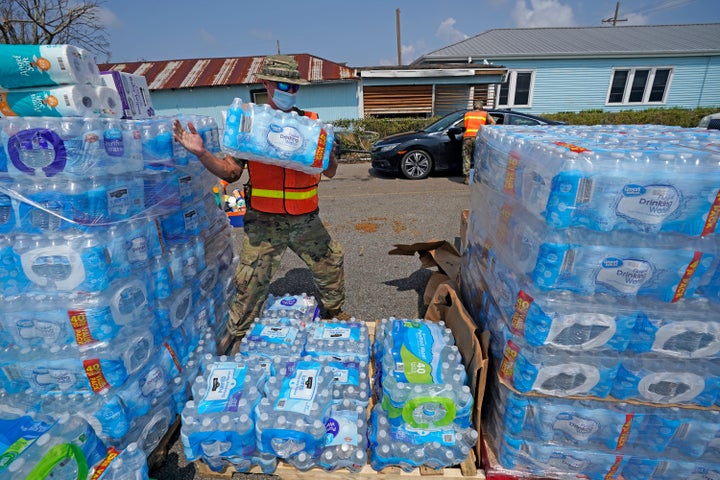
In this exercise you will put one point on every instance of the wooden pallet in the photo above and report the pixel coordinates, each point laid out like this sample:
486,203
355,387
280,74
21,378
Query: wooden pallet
466,470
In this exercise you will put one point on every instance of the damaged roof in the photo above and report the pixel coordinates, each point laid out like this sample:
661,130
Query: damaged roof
215,72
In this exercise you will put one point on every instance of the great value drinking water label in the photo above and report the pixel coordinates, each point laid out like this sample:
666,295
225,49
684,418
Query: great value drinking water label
624,275
648,204
286,139
577,427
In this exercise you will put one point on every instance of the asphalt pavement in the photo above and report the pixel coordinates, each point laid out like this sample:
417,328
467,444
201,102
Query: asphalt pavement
368,213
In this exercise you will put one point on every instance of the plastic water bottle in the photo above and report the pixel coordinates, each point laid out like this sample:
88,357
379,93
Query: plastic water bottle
49,209
157,141
352,382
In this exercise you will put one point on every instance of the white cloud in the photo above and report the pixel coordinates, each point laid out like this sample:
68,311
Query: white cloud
448,33
107,17
207,36
261,34
543,13
635,19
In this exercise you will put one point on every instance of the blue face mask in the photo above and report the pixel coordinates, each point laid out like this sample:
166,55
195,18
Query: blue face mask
283,100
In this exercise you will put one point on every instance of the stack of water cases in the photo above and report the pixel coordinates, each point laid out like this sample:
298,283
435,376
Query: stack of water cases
115,266
302,398
592,259
422,416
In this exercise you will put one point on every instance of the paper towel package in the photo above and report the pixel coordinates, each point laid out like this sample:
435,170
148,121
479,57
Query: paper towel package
134,93
24,66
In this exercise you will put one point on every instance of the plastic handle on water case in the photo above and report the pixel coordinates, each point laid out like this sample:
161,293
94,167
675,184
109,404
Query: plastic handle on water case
419,402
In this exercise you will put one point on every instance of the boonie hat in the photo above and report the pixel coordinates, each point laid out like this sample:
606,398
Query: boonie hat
281,68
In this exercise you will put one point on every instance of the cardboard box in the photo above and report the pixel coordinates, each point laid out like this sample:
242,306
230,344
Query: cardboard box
444,303
464,218
435,253
134,93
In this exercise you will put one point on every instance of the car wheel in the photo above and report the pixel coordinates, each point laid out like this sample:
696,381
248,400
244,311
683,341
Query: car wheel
416,164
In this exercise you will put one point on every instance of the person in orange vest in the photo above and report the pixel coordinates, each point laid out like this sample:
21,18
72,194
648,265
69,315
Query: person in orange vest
282,212
474,120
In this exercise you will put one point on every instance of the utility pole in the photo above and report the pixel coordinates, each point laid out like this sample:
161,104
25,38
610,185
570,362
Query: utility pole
615,19
399,43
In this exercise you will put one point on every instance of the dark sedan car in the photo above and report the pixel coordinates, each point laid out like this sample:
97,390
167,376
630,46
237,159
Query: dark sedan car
437,147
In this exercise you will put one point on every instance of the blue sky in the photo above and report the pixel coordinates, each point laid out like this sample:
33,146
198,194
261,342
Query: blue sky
358,32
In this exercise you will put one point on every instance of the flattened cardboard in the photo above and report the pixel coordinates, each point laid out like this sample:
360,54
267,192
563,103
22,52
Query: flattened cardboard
473,345
435,253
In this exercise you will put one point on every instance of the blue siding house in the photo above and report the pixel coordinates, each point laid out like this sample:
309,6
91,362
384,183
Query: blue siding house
617,68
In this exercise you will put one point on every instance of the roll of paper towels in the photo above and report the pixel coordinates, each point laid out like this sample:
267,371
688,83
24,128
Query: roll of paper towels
110,103
46,65
61,101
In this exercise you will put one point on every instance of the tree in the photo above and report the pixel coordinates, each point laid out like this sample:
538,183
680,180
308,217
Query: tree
73,22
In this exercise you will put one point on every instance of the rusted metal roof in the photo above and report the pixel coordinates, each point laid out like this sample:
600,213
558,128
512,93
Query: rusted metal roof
216,72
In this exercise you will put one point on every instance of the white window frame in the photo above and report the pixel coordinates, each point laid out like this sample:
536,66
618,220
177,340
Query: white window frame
512,81
628,85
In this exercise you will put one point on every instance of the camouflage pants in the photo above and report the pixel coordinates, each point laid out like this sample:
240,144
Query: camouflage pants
266,236
468,147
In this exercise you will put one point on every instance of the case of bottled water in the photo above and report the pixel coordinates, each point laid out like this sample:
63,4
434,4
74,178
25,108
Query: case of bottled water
263,134
18,431
610,426
291,417
44,147
271,338
664,380
558,373
345,441
423,380
67,450
667,267
407,448
96,369
344,341
630,177
300,309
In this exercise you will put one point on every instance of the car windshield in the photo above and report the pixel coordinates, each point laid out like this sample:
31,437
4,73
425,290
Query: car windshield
444,123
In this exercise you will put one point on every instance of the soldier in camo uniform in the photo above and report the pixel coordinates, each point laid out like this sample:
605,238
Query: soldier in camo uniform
282,212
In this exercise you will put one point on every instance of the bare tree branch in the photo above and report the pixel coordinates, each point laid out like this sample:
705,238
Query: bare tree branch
74,22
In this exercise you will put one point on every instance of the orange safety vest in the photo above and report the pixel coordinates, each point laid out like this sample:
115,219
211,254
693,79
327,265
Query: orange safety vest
277,189
473,121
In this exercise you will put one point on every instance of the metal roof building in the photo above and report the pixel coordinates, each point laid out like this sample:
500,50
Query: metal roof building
607,68
642,40
207,86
